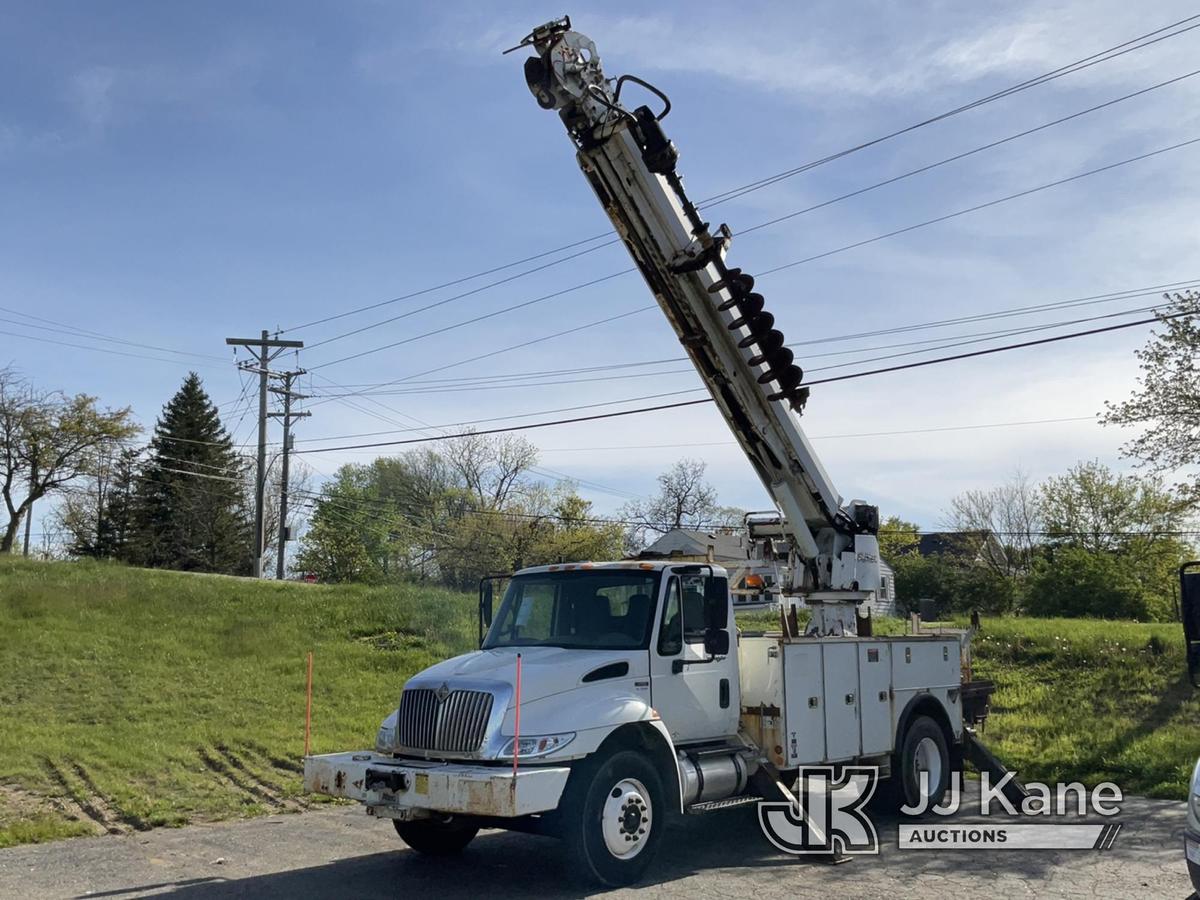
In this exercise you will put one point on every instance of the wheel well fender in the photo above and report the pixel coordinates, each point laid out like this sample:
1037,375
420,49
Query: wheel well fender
652,738
924,705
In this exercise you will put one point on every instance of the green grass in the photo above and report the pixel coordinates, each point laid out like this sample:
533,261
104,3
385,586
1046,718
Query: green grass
1091,701
140,698
132,699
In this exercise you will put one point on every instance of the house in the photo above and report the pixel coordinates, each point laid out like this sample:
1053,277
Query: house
966,546
723,548
885,601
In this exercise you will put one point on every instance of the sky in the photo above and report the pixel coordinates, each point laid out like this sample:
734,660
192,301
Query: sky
172,175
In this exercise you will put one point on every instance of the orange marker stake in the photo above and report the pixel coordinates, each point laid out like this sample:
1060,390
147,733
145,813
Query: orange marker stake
517,723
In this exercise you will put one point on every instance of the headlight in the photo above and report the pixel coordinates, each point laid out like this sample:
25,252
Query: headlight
538,745
1194,801
385,738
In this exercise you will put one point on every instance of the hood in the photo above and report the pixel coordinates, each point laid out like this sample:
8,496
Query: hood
544,670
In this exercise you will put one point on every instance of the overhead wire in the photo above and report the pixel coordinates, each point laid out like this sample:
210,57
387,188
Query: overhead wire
835,378
1138,43
793,263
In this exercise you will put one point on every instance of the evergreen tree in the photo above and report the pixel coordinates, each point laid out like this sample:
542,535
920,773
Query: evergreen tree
189,510
114,530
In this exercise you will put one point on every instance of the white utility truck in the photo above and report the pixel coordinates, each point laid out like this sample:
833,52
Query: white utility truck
606,697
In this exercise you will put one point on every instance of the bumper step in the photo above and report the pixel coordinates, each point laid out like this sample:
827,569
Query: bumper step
713,805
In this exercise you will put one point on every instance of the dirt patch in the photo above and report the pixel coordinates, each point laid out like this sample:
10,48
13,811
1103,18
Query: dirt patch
28,805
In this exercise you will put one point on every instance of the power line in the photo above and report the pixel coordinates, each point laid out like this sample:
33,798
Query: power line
485,380
979,206
455,297
1087,62
45,340
812,258
990,350
1138,43
73,331
959,156
395,505
490,384
686,403
446,432
519,346
830,437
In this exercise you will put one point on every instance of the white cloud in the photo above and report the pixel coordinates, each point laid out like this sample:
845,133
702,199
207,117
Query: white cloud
106,94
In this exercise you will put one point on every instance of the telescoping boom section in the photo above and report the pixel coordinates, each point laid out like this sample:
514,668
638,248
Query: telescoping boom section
715,310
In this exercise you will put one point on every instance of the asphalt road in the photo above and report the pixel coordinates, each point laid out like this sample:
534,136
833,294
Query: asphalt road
340,852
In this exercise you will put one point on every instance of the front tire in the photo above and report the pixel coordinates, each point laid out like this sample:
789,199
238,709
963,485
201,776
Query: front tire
614,813
437,837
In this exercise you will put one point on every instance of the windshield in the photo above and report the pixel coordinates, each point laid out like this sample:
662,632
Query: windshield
602,609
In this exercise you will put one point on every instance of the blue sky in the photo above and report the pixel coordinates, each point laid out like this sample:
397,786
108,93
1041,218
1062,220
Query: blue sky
173,174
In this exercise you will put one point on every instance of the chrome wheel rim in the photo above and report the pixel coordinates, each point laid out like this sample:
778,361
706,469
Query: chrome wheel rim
626,818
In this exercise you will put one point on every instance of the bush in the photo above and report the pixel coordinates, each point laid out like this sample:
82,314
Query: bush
955,586
1073,582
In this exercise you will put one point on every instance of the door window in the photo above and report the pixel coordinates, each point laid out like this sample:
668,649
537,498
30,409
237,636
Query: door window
670,633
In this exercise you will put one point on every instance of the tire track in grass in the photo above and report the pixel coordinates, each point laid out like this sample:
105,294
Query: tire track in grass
93,807
279,763
277,791
216,763
125,817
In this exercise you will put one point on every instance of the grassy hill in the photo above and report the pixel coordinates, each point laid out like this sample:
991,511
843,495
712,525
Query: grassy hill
134,698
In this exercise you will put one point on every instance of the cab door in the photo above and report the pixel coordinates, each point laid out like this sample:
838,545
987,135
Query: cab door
697,699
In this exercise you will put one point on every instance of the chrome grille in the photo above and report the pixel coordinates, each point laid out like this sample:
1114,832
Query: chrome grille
457,724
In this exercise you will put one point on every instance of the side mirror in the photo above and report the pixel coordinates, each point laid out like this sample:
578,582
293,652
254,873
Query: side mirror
716,642
716,604
485,607
1189,612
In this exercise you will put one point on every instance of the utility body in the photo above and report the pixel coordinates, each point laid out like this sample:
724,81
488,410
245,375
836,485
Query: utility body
607,697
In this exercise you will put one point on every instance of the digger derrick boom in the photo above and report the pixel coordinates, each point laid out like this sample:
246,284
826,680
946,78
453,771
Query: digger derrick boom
719,318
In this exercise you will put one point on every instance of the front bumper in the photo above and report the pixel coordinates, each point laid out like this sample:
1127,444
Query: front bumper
1191,849
412,789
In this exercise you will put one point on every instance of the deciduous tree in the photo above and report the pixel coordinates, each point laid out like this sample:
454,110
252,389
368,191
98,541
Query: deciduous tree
1165,405
48,441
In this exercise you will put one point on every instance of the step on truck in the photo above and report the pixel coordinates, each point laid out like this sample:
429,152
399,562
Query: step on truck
606,698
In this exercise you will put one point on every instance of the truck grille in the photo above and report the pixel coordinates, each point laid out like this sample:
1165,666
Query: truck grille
456,724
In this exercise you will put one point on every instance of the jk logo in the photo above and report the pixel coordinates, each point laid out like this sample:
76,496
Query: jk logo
826,814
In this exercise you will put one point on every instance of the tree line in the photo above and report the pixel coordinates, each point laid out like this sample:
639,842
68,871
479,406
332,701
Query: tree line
182,501
1090,541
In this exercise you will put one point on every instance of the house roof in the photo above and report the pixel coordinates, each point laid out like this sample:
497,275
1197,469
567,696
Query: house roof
953,543
685,542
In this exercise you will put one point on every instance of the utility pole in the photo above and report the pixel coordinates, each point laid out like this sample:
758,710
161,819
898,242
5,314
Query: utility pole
33,474
263,357
287,415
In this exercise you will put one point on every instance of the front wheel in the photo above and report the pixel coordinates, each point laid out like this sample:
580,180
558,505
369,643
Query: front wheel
613,818
437,837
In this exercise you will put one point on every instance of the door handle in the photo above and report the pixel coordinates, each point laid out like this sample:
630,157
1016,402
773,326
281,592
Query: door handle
850,699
